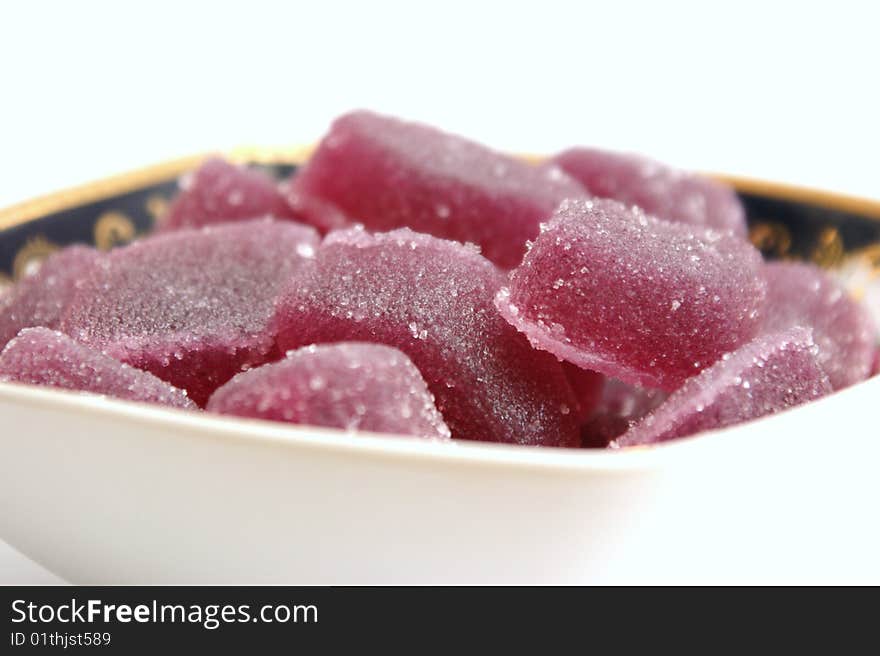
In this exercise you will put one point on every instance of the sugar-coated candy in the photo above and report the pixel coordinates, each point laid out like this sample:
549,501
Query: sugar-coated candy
772,373
191,306
349,385
587,387
39,356
39,299
802,294
432,299
219,191
659,190
386,173
650,302
619,406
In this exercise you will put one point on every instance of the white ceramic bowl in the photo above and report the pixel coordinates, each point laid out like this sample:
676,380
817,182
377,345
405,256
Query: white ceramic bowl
105,491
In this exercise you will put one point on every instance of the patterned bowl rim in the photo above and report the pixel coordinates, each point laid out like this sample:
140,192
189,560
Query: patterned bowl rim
47,204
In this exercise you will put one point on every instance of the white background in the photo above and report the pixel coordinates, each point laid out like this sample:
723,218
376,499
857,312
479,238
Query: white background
783,91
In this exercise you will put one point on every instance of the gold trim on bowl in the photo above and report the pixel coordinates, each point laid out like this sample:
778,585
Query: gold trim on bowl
809,196
132,180
291,155
112,227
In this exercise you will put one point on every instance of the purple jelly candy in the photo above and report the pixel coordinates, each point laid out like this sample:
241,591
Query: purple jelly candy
218,192
39,356
614,290
387,173
432,299
351,385
659,190
802,294
191,306
587,387
619,406
771,373
39,299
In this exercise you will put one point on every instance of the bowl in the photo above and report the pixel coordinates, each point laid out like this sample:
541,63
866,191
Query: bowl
105,491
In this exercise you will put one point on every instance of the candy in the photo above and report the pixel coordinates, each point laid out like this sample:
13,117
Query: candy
802,294
613,290
432,299
587,387
659,190
39,299
386,173
354,386
618,407
218,192
772,373
39,356
191,306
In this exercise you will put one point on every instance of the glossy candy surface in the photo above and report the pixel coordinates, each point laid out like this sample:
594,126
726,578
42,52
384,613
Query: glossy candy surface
618,407
587,387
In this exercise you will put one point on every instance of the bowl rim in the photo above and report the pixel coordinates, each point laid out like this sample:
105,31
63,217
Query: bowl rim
121,183
363,444
128,181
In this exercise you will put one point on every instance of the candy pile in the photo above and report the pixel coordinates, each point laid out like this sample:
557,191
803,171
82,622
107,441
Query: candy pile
433,300
412,282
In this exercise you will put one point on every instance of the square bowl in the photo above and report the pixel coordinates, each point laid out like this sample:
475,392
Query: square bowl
106,491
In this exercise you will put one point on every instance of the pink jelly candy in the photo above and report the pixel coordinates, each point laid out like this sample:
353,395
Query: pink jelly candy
614,290
587,387
218,192
619,406
351,385
432,299
39,356
191,306
659,190
387,173
802,294
39,299
771,373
